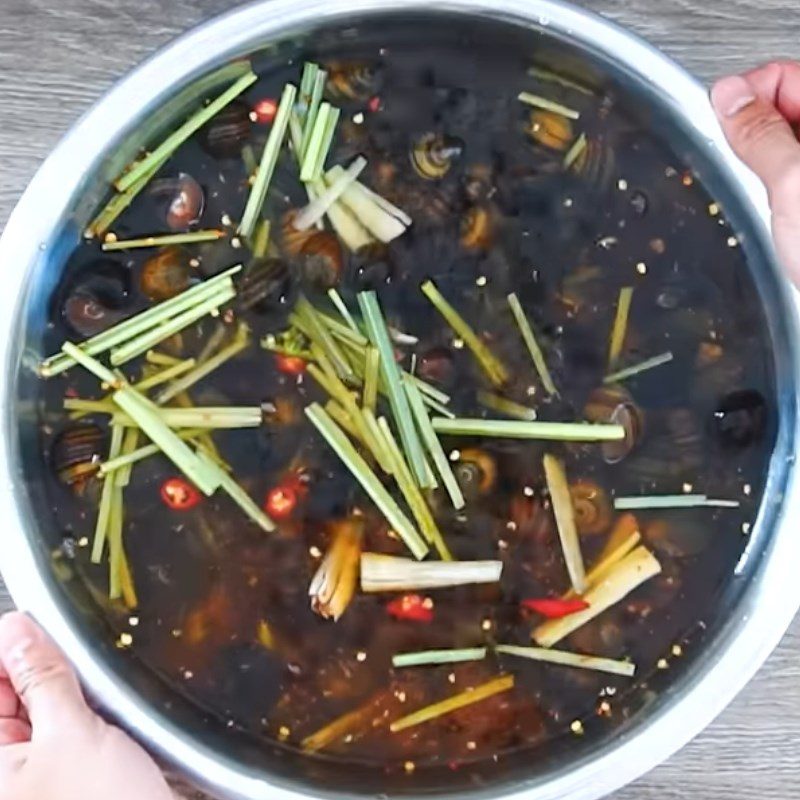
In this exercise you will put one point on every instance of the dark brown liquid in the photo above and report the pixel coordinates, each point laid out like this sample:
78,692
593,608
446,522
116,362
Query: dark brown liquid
565,242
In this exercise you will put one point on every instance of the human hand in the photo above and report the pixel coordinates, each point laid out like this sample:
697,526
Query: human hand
52,745
760,115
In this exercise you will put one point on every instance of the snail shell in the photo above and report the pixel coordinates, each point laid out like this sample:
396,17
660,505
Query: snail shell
183,199
227,133
433,154
353,80
264,284
322,260
165,274
596,164
476,229
77,452
592,507
96,298
614,404
550,130
293,240
372,266
476,472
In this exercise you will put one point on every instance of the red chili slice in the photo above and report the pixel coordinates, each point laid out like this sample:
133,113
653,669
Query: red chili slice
179,495
290,365
553,607
281,501
265,110
411,607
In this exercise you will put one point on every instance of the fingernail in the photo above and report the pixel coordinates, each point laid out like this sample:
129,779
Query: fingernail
730,95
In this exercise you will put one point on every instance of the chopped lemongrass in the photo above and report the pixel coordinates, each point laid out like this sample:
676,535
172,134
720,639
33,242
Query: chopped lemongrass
431,440
354,235
517,429
466,698
344,311
383,203
529,338
203,443
106,499
372,377
494,369
162,359
127,586
378,443
317,209
428,390
379,336
344,332
214,342
437,407
553,77
202,370
344,421
426,657
610,665
269,159
334,583
412,494
316,330
193,237
249,160
564,511
620,326
310,152
142,322
314,101
307,81
125,459
369,715
140,344
575,151
504,406
261,238
537,101
375,218
381,573
205,417
165,375
642,366
129,445
327,140
637,567
671,501
191,126
360,470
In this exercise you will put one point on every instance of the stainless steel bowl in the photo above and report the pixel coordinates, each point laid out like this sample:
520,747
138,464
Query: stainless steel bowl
761,599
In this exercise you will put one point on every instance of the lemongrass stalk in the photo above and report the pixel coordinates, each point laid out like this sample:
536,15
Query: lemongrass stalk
637,567
575,151
529,338
165,375
318,333
307,82
460,700
205,417
133,326
671,501
494,369
261,238
412,495
334,583
89,406
379,336
115,543
193,237
214,341
269,159
547,105
249,160
371,377
429,657
636,369
344,333
327,140
129,445
619,329
437,407
349,229
203,443
384,204
142,343
125,459
378,444
596,663
310,154
517,429
191,126
380,573
360,470
106,499
434,447
315,99
162,359
553,77
369,715
430,391
505,406
317,209
127,586
344,311
344,421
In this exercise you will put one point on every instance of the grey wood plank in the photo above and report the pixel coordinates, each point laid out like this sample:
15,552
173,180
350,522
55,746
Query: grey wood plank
58,56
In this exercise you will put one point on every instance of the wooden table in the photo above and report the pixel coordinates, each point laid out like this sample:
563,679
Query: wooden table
58,56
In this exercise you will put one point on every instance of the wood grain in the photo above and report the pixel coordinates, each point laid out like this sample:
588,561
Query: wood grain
58,56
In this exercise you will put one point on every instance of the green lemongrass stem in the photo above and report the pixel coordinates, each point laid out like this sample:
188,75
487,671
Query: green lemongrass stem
379,336
261,239
379,445
190,127
636,369
372,378
205,417
564,511
115,543
553,77
315,99
360,470
412,494
129,445
620,327
537,101
310,153
381,573
429,391
317,209
350,230
106,499
505,406
432,443
193,237
671,501
596,663
344,421
165,375
575,151
141,322
214,341
427,657
249,160
517,429
127,587
319,334
140,344
125,459
269,159
534,350
460,700
494,369
201,371
307,82
161,359
344,311
203,443
437,407
327,140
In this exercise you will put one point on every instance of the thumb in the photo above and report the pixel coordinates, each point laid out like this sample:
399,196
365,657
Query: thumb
41,677
765,141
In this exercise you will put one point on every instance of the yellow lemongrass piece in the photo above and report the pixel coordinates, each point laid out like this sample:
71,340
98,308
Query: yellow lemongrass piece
334,583
620,326
106,499
127,586
382,573
610,665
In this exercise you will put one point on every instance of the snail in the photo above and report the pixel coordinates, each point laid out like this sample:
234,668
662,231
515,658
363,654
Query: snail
478,183
595,164
292,239
76,454
476,229
353,80
322,260
613,404
96,298
280,412
165,274
266,282
551,130
592,507
433,154
226,134
372,266
182,198
476,472
437,365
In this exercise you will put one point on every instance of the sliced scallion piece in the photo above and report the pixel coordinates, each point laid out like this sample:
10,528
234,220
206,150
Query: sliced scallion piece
517,429
610,665
533,346
426,657
547,105
636,369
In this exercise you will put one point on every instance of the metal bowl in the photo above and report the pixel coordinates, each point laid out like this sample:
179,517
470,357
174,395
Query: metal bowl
759,601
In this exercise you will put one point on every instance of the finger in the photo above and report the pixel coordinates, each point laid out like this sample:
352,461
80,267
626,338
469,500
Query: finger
778,83
9,702
41,677
12,759
14,731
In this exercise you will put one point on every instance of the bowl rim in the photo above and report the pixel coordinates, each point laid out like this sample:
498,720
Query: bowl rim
774,595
